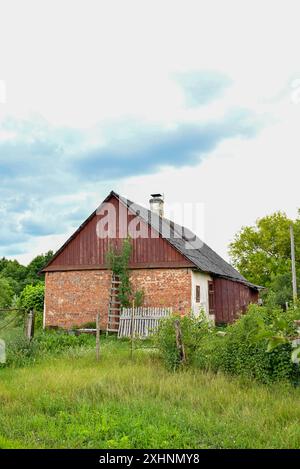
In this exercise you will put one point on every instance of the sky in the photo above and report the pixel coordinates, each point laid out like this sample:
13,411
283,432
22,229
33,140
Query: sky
198,100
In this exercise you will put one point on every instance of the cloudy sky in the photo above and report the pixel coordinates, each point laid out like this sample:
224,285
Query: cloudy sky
198,99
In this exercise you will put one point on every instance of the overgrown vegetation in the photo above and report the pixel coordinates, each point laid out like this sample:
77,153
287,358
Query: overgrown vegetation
72,401
253,347
117,259
193,331
45,344
54,394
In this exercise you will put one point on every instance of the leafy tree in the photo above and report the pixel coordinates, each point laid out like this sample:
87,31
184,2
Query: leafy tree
32,297
6,293
36,266
19,276
14,272
262,253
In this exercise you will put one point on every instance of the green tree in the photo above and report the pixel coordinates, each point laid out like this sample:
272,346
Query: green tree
14,273
19,276
262,253
32,297
35,266
6,293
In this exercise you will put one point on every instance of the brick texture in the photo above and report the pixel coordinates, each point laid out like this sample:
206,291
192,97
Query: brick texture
164,287
75,297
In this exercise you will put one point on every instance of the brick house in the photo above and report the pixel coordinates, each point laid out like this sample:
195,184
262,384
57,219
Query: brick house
168,262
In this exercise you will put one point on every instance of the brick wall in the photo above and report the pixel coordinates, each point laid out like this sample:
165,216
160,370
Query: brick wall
75,297
164,287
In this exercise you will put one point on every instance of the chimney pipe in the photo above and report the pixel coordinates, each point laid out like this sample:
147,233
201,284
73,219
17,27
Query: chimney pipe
157,204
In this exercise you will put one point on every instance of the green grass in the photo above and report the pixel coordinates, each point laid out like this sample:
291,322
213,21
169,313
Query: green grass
72,401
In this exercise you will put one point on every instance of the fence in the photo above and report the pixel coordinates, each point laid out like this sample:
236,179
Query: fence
14,320
8,318
141,322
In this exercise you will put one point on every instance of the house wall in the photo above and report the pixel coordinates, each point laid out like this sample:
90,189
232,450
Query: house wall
87,247
164,287
231,299
201,279
75,297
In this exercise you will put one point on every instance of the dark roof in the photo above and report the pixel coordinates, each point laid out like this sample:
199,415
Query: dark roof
183,240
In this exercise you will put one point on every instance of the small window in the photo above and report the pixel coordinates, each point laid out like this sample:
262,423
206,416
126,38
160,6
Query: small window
197,293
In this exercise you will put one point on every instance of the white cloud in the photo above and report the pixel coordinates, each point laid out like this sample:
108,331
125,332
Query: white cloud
85,64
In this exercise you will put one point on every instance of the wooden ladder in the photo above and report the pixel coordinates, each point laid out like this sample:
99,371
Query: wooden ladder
114,307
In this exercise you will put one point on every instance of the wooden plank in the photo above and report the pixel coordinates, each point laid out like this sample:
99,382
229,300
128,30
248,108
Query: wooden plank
145,323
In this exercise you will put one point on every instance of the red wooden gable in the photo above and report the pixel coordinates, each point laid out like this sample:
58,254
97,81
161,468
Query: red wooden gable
85,250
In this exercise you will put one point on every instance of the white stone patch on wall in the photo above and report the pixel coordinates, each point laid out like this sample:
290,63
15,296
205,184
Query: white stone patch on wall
201,279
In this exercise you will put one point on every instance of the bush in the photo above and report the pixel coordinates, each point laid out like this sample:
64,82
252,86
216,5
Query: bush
55,342
32,297
242,350
21,352
193,331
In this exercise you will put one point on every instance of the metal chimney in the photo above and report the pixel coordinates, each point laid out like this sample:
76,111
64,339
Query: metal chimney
157,204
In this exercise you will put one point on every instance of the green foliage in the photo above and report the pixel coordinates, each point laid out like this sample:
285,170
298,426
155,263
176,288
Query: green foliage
281,289
19,276
193,331
254,347
22,352
6,293
32,297
35,266
262,254
86,325
139,298
62,402
14,273
117,260
55,342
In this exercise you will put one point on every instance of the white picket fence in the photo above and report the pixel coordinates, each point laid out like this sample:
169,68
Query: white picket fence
145,321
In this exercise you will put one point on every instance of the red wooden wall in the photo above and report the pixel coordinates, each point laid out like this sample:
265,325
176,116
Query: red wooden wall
231,299
86,249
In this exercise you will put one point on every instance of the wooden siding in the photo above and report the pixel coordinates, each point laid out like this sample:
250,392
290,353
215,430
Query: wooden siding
85,250
231,299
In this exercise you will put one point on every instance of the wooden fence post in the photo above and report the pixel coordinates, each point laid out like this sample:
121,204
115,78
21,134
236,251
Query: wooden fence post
179,342
132,329
30,325
98,337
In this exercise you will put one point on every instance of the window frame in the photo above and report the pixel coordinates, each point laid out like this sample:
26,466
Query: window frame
197,293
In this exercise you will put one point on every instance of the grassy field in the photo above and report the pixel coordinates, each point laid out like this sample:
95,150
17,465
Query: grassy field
74,402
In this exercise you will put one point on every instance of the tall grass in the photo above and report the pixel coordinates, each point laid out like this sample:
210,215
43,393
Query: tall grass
72,401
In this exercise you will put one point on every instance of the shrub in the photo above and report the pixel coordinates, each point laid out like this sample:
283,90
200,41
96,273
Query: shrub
32,297
242,350
193,331
55,342
21,352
